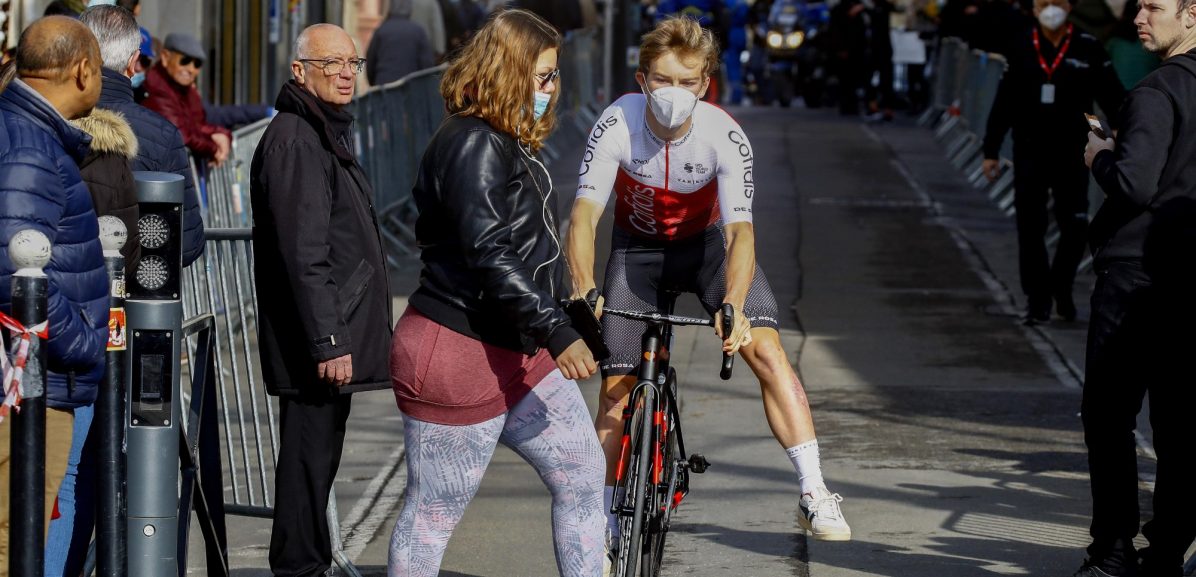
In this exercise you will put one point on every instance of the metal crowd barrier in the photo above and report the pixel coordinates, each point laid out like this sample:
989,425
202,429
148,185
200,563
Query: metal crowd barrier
394,124
228,185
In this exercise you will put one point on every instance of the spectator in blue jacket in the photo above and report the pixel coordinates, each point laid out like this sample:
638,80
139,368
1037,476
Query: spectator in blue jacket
159,144
58,78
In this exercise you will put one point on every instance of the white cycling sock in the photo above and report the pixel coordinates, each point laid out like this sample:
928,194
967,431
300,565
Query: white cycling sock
809,469
612,521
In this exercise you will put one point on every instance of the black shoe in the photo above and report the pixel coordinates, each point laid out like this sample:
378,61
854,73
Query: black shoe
1090,569
1066,307
1036,316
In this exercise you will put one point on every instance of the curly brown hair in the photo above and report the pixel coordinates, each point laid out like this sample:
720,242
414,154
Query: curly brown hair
685,38
491,76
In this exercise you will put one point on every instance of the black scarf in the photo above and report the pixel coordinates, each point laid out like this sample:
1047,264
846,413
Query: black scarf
333,124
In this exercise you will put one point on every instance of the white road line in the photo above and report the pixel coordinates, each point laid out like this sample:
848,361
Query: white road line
1070,375
380,499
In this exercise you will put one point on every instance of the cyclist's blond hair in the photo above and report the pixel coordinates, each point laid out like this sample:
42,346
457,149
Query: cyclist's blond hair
491,77
685,38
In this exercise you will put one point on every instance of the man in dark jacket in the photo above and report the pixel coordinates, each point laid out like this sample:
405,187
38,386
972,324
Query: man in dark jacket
1140,337
172,93
849,52
322,287
58,78
159,144
1055,74
398,48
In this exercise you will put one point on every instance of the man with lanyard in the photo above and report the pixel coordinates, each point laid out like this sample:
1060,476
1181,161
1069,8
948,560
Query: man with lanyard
1055,72
681,171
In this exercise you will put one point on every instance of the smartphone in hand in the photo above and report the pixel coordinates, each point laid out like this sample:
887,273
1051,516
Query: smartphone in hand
1095,126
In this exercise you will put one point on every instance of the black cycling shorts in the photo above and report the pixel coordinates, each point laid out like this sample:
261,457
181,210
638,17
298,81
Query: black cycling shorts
639,274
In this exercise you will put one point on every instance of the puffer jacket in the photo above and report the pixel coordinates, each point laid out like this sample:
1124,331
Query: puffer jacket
41,189
491,255
108,177
160,148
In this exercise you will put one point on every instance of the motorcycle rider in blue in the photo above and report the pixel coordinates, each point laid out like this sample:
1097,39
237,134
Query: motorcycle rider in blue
737,14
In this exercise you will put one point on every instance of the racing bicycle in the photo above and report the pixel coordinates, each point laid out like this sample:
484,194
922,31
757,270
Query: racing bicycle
652,476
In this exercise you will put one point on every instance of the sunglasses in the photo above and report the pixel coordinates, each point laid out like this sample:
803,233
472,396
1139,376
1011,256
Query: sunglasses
187,61
549,77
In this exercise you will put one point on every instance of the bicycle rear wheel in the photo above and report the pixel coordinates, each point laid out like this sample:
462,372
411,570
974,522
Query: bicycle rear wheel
637,482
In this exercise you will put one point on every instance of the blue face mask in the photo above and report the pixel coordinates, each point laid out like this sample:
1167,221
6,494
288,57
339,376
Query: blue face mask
542,100
137,79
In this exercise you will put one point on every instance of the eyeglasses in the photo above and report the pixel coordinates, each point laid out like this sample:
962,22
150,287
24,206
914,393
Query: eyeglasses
188,60
549,77
334,66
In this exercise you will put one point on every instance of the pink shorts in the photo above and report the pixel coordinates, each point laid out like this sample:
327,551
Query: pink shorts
441,376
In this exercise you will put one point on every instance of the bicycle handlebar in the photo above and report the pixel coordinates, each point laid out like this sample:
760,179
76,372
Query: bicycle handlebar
728,328
657,318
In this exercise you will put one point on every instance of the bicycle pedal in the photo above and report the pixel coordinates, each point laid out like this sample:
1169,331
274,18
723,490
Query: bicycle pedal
698,464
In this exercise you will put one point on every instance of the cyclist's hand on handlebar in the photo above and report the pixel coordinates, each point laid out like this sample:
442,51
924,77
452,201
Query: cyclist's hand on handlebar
596,301
577,362
740,336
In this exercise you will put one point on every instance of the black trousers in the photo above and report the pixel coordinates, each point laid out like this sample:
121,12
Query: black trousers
312,435
1037,179
1139,341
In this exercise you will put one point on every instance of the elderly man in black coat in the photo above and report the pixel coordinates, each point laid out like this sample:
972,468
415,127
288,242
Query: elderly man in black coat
323,294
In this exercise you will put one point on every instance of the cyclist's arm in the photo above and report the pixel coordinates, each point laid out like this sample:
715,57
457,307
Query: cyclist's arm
741,262
595,181
736,187
579,248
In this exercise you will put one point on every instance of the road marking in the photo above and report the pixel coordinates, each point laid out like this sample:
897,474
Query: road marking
380,499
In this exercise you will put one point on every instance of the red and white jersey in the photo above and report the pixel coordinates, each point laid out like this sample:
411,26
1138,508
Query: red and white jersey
668,190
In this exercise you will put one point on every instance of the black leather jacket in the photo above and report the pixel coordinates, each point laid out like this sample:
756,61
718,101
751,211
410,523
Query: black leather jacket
492,261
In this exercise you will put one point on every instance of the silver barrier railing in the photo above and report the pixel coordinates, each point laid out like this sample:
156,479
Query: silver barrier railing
228,185
222,283
394,124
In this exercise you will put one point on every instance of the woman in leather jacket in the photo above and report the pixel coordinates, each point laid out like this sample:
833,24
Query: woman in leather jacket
484,353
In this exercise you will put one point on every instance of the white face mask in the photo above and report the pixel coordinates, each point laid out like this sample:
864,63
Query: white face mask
671,105
1052,17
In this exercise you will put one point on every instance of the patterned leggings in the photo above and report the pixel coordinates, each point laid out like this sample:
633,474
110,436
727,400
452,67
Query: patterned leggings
552,430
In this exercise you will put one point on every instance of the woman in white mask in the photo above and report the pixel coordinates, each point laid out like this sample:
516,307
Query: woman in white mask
484,354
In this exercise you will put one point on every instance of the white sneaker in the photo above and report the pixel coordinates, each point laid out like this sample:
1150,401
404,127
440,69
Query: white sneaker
608,560
821,516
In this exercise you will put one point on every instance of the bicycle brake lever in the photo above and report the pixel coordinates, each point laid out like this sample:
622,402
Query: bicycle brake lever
728,327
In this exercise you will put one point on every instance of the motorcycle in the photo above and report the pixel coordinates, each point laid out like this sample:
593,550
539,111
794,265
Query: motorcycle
791,38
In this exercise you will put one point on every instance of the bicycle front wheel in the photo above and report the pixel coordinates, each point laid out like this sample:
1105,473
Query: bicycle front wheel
661,516
638,482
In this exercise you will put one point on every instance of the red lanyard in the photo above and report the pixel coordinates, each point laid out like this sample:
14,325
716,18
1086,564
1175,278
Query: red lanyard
1058,58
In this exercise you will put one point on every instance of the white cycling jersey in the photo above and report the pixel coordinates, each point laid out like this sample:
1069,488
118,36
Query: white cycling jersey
668,190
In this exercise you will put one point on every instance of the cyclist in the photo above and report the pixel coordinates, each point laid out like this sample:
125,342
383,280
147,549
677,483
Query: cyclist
681,171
